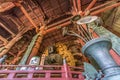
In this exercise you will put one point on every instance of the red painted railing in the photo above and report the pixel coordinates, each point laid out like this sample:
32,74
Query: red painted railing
45,72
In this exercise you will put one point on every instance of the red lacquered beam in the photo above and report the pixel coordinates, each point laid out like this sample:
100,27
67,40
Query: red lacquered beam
55,28
104,9
91,5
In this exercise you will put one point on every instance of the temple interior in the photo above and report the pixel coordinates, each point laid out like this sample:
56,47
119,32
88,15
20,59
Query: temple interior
59,40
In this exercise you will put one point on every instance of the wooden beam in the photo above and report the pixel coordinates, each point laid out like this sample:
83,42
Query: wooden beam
12,42
75,5
3,39
3,26
91,5
79,5
27,15
104,9
57,27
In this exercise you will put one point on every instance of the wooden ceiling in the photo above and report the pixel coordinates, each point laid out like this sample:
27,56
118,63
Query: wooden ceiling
50,13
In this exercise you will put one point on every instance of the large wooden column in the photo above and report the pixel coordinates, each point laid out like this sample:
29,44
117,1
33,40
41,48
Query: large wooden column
37,44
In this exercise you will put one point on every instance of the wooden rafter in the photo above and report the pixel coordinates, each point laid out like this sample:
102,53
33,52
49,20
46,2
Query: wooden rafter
13,41
2,25
3,39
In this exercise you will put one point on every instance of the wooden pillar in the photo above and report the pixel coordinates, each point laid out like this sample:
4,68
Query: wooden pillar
37,44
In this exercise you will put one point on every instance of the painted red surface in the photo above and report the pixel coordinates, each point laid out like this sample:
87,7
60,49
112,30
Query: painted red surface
65,73
115,56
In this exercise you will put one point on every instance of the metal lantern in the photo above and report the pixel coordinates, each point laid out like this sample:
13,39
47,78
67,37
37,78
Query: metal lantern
99,50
